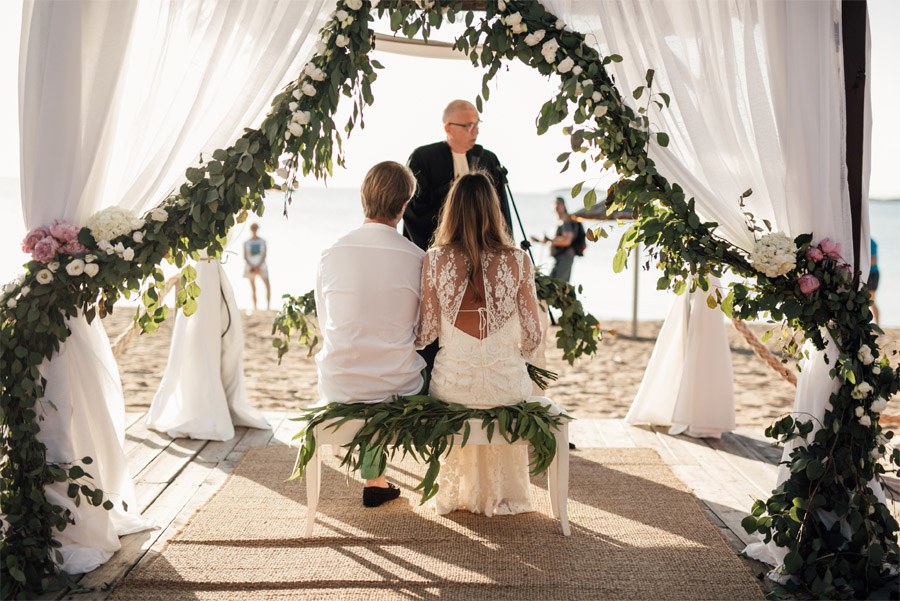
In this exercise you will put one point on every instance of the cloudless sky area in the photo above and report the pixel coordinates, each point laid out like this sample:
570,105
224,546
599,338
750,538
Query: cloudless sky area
411,92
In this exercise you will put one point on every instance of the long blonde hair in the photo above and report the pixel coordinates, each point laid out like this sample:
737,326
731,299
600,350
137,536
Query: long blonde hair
471,221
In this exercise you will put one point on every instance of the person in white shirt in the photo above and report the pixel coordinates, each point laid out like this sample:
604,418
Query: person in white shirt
367,300
255,264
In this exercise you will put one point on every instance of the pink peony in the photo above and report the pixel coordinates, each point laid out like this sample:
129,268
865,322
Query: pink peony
831,248
814,254
64,231
33,237
808,283
73,247
45,250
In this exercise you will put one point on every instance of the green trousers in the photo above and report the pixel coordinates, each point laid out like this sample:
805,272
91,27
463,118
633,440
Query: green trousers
369,463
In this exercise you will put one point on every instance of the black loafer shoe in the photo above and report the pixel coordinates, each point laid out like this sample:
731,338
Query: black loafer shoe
373,496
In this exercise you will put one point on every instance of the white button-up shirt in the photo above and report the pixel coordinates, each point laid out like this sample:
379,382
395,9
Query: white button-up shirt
367,301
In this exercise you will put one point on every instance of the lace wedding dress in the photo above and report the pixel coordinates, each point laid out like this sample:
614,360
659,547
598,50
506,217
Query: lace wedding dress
484,346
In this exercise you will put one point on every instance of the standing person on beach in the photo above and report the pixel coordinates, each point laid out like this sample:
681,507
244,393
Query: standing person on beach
255,264
562,245
367,301
874,276
436,166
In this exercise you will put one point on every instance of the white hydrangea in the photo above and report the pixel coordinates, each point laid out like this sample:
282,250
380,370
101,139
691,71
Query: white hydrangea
548,50
774,254
565,65
112,222
535,38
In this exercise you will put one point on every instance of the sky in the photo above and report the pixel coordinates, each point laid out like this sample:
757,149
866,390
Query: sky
410,94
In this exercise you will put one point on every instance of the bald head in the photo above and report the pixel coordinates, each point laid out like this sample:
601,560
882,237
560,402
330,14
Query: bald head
461,121
457,106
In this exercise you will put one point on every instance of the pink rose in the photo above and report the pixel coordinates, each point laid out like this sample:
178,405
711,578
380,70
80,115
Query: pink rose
814,254
831,248
33,237
808,283
64,231
73,247
45,250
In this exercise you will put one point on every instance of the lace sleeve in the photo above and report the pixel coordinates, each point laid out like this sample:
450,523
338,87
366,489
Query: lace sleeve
428,327
527,305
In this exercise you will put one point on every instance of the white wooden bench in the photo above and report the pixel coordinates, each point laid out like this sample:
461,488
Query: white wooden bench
557,473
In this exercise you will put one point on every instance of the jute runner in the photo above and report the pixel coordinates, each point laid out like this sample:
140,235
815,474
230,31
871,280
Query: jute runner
637,533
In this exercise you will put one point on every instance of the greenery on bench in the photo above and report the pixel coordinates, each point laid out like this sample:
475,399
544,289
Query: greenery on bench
423,427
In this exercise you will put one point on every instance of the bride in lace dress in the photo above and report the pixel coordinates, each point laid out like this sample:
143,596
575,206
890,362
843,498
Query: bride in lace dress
479,300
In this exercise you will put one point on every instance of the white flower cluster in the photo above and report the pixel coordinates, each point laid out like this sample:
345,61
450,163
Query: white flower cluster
774,254
533,39
514,22
865,355
548,50
112,222
344,18
120,250
357,4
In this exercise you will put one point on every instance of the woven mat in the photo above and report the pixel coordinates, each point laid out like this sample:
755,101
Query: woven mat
637,533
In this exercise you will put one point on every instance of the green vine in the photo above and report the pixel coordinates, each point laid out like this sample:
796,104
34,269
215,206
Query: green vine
423,428
292,320
829,473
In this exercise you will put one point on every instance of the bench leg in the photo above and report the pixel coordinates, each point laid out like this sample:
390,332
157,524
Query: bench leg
313,477
558,480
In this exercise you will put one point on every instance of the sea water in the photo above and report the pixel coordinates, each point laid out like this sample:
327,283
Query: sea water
319,216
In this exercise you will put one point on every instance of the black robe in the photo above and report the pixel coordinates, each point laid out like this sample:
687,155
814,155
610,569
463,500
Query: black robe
433,167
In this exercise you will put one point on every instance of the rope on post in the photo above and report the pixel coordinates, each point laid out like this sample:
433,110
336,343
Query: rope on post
764,353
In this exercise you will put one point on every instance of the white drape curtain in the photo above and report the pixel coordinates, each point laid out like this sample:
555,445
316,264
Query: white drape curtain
116,99
756,94
757,102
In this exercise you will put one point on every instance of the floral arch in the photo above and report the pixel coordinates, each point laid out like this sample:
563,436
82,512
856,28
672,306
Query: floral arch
797,281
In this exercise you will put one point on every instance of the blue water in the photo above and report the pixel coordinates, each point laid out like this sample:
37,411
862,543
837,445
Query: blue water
319,216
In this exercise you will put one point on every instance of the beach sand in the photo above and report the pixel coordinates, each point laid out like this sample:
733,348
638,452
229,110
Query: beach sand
602,386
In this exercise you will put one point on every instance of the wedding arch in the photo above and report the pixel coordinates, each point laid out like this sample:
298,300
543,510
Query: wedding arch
840,537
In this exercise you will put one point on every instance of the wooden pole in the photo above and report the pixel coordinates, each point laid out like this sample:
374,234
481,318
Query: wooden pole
853,39
634,303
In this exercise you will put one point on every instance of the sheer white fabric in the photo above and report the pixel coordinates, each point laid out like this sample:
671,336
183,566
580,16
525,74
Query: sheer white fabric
757,102
486,371
202,394
118,97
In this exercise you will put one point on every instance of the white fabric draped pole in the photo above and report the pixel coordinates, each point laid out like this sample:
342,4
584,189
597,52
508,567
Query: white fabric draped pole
757,102
116,99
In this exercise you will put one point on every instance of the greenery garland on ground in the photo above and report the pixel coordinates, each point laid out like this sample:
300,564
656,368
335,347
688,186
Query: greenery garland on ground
86,273
578,333
424,428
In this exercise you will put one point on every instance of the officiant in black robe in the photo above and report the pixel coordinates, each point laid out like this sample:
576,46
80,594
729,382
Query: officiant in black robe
437,165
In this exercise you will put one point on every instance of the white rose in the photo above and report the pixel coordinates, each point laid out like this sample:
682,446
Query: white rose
320,47
293,106
119,248
341,41
354,4
859,412
90,258
501,5
879,404
876,370
596,96
159,214
53,266
287,135
314,73
347,22
865,355
91,269
341,15
533,39
565,65
600,110
548,50
128,254
297,93
308,89
25,291
513,19
560,24
11,303
75,267
865,421
138,237
295,128
301,117
44,276
577,70
861,390
375,3
9,287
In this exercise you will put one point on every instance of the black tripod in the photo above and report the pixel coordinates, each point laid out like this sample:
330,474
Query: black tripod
526,245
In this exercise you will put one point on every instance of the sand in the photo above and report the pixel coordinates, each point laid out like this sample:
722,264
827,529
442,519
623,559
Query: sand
602,386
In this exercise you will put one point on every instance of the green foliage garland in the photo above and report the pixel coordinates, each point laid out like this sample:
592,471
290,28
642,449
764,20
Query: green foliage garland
841,456
423,427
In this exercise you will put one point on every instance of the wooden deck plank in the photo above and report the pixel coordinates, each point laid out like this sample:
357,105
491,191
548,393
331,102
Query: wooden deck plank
613,431
584,434
142,446
675,446
761,474
169,463
645,437
755,439
216,451
285,431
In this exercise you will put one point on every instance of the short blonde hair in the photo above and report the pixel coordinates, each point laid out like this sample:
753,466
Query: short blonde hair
386,189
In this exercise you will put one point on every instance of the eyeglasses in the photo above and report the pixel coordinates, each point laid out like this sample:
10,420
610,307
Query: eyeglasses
469,127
